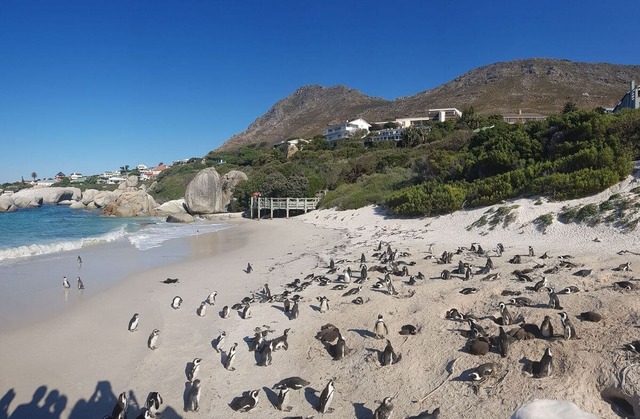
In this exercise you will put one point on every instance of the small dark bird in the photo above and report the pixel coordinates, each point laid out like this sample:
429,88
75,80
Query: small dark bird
249,268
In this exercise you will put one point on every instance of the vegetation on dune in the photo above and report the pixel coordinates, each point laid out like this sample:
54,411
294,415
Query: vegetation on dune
476,161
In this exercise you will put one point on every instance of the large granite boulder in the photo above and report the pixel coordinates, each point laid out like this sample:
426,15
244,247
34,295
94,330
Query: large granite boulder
104,198
180,218
209,193
132,204
89,195
177,206
35,197
129,184
7,204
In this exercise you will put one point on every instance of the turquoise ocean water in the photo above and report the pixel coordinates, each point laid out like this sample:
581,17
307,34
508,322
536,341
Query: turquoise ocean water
52,229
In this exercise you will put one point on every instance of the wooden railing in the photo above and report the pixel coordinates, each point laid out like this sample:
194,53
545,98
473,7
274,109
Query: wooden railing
287,204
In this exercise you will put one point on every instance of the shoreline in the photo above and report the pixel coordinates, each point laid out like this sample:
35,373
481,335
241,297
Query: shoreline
86,357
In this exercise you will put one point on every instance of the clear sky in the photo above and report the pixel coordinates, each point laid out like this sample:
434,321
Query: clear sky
89,86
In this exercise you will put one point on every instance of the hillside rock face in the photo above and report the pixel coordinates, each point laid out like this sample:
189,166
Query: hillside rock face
209,193
532,85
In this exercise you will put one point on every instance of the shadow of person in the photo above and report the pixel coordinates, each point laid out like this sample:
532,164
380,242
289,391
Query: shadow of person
99,404
31,409
5,402
361,411
53,405
169,413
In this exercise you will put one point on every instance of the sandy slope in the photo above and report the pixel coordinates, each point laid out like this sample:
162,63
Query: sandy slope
89,357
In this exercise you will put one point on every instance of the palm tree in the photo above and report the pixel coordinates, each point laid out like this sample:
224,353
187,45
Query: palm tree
34,175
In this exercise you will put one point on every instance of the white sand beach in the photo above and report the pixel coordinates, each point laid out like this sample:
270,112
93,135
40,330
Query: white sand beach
74,365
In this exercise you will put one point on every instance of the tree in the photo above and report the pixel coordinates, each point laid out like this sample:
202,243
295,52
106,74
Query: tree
413,136
569,107
34,175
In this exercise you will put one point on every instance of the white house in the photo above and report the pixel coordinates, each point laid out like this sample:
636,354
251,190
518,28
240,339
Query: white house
386,134
347,130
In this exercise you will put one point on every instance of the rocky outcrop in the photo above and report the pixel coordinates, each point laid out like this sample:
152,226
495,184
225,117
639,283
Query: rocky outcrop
180,218
209,193
132,204
7,204
291,150
36,197
177,206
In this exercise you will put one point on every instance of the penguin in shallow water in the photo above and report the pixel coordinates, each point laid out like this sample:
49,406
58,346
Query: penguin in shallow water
385,409
133,323
193,371
120,409
65,283
176,302
380,328
152,342
546,328
80,284
326,397
193,398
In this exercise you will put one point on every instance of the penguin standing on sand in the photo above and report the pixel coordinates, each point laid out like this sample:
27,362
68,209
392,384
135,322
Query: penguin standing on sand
231,355
504,341
193,371
324,304
546,329
246,311
531,252
507,318
65,283
245,403
543,283
389,356
211,299
80,284
225,312
152,342
385,409
202,310
249,268
220,341
569,330
153,403
133,323
554,301
326,397
380,328
287,306
193,398
282,398
120,409
295,311
340,350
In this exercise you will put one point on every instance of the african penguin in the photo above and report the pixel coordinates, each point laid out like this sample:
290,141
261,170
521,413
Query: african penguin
546,329
228,363
193,371
324,304
326,397
385,409
176,302
569,330
133,323
380,328
65,283
152,342
120,409
202,310
80,284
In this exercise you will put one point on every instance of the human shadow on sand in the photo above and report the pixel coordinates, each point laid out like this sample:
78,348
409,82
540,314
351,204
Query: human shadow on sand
363,333
362,412
53,404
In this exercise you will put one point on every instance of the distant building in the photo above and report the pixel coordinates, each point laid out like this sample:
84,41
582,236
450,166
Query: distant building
347,130
386,134
141,167
630,99
153,172
60,176
440,115
521,118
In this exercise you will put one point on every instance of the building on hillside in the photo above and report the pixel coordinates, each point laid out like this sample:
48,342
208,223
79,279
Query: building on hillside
386,134
630,99
347,130
440,115
60,177
522,118
45,182
153,172
142,167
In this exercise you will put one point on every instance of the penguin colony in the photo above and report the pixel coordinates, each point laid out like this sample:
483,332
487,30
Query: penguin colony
522,313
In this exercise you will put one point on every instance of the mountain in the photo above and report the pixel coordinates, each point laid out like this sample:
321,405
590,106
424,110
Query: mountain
532,85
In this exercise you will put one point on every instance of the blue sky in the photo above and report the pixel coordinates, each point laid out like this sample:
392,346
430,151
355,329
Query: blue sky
89,86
